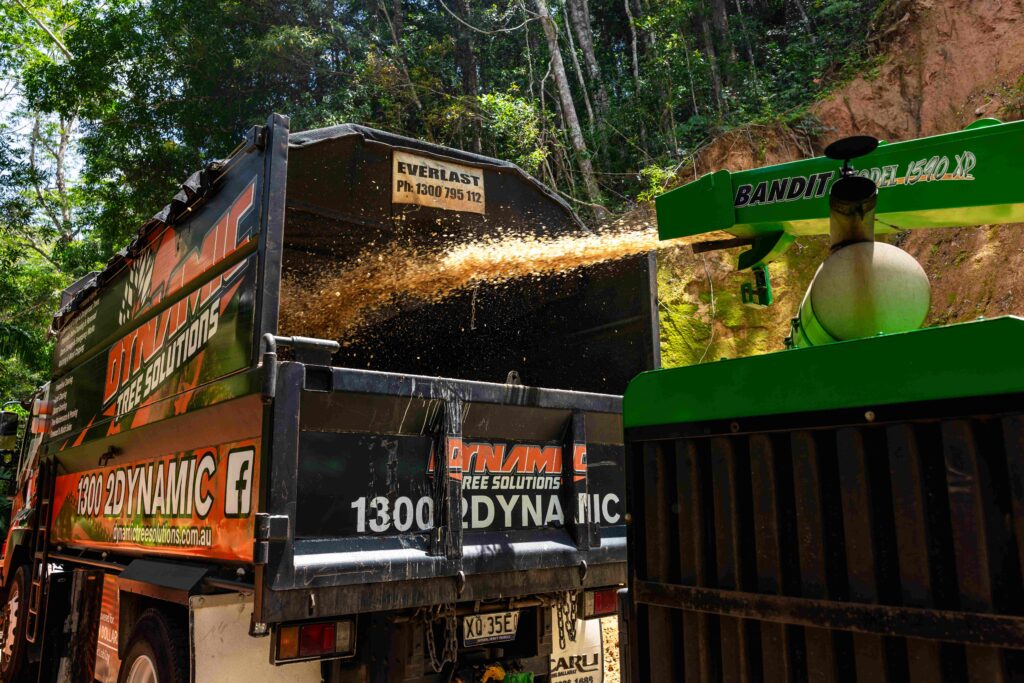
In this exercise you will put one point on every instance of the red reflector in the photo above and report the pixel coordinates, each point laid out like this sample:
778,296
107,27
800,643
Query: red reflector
606,601
316,639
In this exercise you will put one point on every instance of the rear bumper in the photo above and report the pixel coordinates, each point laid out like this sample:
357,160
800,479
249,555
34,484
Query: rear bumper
402,594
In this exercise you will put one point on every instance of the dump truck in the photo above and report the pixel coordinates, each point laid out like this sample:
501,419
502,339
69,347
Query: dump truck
850,508
439,497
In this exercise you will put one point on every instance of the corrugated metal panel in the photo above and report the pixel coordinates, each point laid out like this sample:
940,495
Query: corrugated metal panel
872,552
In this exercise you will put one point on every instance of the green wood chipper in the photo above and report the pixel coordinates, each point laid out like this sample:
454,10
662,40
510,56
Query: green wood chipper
850,508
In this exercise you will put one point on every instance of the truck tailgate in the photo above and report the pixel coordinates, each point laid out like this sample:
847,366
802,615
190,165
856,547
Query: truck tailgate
391,491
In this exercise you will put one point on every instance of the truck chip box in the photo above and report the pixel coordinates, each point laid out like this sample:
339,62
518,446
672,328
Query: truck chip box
203,496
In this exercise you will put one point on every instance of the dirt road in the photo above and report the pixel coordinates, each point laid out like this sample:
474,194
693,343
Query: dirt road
610,633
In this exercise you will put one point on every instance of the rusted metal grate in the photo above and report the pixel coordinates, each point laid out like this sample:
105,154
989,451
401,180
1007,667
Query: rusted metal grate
870,552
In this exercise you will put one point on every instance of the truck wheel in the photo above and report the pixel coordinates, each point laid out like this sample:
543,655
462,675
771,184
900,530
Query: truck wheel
13,655
157,652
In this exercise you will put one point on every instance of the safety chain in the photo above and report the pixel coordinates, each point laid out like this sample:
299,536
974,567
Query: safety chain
568,607
450,651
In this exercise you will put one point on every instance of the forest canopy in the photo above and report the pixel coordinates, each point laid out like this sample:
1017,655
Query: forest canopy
107,104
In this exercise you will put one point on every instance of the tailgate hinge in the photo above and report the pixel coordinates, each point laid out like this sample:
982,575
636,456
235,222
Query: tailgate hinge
256,137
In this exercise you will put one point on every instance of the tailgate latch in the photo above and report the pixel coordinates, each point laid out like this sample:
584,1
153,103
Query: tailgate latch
269,528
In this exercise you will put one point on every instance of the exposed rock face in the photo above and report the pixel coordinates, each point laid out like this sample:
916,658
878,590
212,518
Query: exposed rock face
945,62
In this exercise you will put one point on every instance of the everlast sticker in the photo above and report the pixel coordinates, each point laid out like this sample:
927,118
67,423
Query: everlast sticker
440,184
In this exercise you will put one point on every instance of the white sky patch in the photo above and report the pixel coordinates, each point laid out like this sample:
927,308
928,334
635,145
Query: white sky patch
9,98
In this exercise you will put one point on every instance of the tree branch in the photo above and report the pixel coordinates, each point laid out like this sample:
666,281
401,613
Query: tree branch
40,24
43,204
485,31
30,243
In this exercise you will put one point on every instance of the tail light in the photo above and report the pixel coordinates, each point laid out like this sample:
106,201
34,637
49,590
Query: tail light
600,603
317,640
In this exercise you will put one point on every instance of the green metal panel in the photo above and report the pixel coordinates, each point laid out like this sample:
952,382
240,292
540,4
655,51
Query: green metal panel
980,358
970,177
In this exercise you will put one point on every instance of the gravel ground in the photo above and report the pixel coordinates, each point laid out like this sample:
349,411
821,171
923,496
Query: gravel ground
610,634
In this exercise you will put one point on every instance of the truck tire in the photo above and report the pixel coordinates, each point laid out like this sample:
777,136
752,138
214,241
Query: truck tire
157,652
14,665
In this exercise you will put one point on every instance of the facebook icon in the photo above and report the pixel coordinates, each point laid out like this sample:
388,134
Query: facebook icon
238,486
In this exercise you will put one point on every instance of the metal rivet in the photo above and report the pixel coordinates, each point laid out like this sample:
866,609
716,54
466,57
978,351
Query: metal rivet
628,518
869,416
734,427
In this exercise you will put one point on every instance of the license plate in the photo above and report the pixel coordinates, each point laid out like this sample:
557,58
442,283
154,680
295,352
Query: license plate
496,627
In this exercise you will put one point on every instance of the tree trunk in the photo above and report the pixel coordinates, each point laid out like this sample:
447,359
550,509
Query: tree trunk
750,47
720,19
465,61
746,35
632,42
808,24
712,54
395,21
648,37
572,122
60,177
36,166
529,52
579,72
689,72
579,14
398,17
636,71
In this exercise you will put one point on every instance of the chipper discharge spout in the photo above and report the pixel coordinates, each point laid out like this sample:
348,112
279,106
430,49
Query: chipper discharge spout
864,287
837,511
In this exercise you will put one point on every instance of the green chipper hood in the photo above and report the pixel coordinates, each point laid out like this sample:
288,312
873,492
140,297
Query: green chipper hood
965,178
971,177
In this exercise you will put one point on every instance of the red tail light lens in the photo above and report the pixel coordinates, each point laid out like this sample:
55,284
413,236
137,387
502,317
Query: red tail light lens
330,639
601,603
316,640
606,601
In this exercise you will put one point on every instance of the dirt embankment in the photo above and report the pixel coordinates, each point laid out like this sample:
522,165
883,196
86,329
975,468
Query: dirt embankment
939,65
946,63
